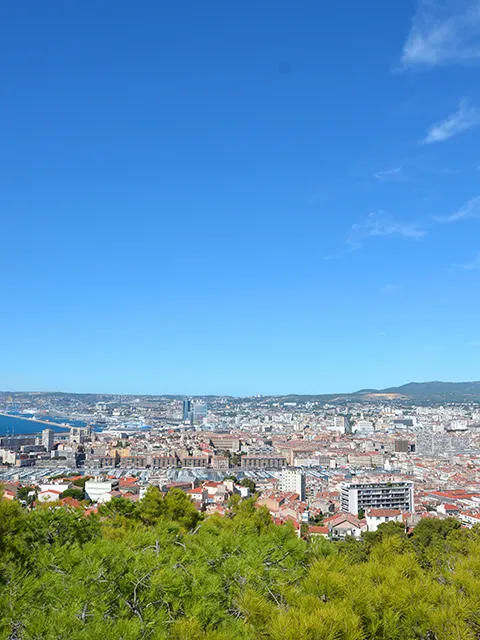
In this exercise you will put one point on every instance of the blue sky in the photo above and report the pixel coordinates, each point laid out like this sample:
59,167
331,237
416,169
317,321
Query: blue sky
239,197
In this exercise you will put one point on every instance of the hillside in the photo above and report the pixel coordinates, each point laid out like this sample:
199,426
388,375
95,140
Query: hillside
419,391
441,391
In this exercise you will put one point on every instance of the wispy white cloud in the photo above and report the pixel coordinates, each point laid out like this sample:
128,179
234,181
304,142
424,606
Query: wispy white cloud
415,168
377,224
469,210
381,224
391,175
464,118
470,266
473,343
443,32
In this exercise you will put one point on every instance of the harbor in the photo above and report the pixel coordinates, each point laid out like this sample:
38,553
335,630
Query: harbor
16,425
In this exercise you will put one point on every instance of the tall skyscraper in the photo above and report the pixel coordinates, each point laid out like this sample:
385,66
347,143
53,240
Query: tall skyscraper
47,439
186,410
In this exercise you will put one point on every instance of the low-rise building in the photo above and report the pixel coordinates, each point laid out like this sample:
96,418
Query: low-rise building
100,490
56,486
50,495
263,461
450,510
316,530
220,462
343,525
376,517
133,462
164,462
195,461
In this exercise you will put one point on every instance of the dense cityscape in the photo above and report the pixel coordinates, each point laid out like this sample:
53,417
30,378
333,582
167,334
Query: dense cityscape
221,518
332,467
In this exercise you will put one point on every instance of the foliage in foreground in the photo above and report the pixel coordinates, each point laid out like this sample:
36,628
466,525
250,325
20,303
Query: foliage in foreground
157,571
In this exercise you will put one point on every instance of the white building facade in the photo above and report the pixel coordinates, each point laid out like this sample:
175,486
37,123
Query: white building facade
293,480
396,494
376,517
100,490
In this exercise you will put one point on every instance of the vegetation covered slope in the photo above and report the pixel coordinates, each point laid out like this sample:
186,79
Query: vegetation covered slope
157,570
441,391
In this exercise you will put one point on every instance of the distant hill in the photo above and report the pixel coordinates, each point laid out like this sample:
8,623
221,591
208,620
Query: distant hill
447,391
367,391
440,392
427,391
414,391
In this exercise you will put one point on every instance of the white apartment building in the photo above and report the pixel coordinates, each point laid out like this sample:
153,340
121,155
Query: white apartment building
395,494
100,490
364,428
293,480
56,486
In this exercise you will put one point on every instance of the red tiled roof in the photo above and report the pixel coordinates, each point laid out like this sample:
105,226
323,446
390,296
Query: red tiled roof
342,517
173,485
70,502
318,529
128,480
131,496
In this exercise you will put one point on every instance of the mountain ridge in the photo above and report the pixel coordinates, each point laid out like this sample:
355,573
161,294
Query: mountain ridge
434,390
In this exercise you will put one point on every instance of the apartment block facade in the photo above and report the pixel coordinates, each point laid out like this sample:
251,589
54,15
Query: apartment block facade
397,494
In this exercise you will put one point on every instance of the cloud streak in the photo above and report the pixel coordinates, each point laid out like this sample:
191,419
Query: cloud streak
470,210
378,224
464,118
381,224
471,266
443,32
391,175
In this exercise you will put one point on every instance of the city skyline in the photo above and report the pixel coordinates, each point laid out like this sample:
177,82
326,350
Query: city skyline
239,198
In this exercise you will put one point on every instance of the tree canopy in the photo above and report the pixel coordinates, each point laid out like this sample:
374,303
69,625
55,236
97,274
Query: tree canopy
158,569
77,494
